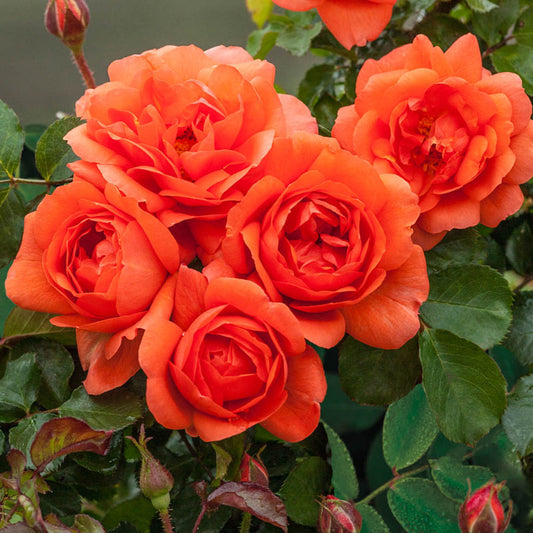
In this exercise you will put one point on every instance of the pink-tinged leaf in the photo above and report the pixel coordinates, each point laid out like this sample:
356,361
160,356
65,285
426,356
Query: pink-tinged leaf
251,498
18,528
61,436
17,462
82,524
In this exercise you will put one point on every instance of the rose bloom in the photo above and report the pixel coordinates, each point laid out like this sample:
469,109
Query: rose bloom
221,357
323,232
352,22
179,130
461,137
97,260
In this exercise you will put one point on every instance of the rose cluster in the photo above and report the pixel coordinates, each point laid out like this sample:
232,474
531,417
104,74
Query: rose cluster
210,236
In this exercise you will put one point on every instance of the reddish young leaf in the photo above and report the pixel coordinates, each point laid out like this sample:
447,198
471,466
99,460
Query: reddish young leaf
61,436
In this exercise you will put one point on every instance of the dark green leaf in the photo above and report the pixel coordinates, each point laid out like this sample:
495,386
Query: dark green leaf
524,28
420,507
305,483
411,415
317,80
375,376
229,454
325,111
520,338
519,414
344,478
519,249
11,141
19,387
109,411
510,366
494,25
516,58
25,323
452,477
471,301
12,212
464,386
260,42
33,134
139,511
53,153
372,521
104,464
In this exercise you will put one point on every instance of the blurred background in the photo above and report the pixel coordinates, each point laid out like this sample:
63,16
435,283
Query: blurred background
38,79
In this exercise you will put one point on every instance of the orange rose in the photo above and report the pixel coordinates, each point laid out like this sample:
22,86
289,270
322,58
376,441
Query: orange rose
352,22
461,137
180,129
328,236
98,260
229,359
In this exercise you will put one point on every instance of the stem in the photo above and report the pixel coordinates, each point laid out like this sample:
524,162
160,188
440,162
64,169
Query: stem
391,482
15,181
199,519
195,454
165,520
501,44
83,67
523,283
246,523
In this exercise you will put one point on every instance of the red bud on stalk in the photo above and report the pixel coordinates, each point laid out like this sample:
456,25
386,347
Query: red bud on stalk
253,470
67,19
482,511
338,516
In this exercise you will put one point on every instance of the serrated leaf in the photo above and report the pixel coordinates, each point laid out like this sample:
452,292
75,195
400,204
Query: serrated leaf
11,141
520,338
109,411
516,58
523,32
260,42
471,301
481,6
452,477
19,387
343,478
33,133
305,483
464,386
12,213
495,24
295,31
53,153
372,521
519,414
409,414
375,376
25,323
139,511
519,249
420,507
259,10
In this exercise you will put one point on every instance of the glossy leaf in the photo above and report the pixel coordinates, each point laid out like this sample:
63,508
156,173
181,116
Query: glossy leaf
305,483
516,58
22,435
11,141
343,478
12,212
375,376
464,386
471,301
420,507
519,414
53,153
372,521
520,338
411,415
110,411
519,249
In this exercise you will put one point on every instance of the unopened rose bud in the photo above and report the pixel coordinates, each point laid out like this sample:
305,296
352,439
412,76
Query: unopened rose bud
67,19
482,511
253,470
338,516
155,481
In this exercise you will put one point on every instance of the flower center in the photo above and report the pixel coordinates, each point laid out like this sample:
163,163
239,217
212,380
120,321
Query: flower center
185,140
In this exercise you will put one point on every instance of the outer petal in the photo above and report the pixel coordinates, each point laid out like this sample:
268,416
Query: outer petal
323,329
388,318
298,5
503,202
297,115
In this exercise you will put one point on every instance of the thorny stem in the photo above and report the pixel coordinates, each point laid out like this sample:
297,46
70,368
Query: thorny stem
83,67
194,453
165,520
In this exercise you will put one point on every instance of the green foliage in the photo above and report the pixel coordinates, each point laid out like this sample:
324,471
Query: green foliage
520,338
11,141
516,58
372,521
12,212
518,415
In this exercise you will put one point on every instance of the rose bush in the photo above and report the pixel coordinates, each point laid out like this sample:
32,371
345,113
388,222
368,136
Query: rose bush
97,260
460,136
220,357
327,235
179,130
352,22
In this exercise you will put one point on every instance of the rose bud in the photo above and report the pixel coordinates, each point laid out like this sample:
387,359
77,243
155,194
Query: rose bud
67,19
253,470
338,516
482,511
155,481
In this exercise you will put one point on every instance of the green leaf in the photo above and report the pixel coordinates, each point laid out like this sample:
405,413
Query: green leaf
260,42
520,338
296,31
87,524
420,507
317,80
516,58
260,10
53,153
139,511
509,364
519,414
11,141
372,521
344,478
300,491
375,376
33,134
19,387
229,454
481,6
464,386
25,323
452,477
12,212
112,410
495,24
519,249
459,247
523,32
411,415
471,301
